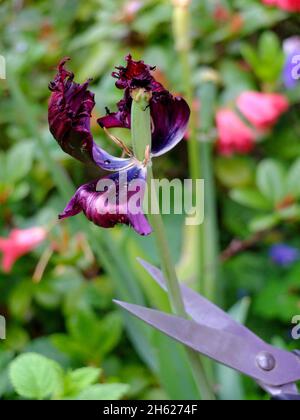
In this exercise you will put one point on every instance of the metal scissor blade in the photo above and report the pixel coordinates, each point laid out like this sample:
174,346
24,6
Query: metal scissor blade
224,347
202,310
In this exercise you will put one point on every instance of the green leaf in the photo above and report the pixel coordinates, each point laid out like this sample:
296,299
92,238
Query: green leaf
45,347
19,161
236,81
100,335
261,223
20,299
80,379
20,192
269,45
3,166
290,213
250,198
34,376
174,372
257,16
271,180
111,328
16,337
90,338
235,172
279,300
104,392
5,358
5,385
84,327
250,55
77,350
254,269
293,180
268,62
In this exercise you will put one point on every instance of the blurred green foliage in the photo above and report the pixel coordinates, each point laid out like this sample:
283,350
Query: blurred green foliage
66,324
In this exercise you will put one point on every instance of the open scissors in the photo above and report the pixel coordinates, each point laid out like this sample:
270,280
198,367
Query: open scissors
215,334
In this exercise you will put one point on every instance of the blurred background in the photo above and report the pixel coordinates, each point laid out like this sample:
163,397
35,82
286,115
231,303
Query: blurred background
57,283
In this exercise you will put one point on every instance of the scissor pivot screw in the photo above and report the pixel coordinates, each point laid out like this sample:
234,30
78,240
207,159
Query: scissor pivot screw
266,361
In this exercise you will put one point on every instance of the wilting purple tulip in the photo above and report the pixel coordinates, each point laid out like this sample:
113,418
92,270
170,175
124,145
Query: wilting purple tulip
70,110
170,114
291,73
284,255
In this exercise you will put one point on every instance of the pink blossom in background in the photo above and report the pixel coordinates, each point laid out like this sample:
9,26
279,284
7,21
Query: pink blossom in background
130,10
133,6
234,136
221,14
19,243
262,110
288,5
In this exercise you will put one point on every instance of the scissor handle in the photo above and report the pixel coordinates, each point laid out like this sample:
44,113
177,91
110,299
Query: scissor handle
286,397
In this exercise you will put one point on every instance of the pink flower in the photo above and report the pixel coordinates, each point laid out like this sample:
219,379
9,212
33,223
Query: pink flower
19,243
262,110
288,5
234,135
221,14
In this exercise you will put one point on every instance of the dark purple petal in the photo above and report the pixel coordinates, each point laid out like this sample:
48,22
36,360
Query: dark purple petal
107,202
121,118
170,115
170,118
70,110
135,75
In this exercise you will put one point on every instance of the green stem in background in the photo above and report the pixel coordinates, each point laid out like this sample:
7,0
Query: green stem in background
202,258
181,29
141,132
200,152
183,45
209,230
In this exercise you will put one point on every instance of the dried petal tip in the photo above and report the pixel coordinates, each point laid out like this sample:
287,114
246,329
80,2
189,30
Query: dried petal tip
135,75
62,74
